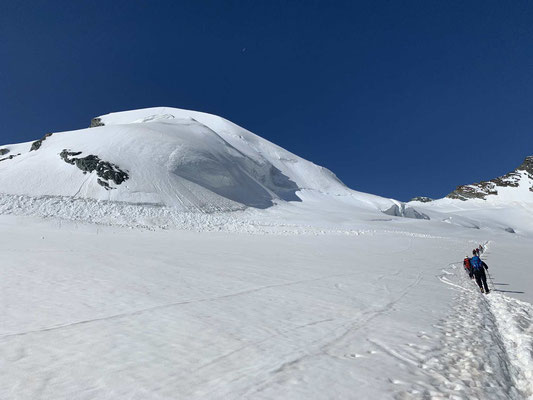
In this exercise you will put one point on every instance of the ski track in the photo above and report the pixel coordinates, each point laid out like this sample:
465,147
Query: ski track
174,304
333,344
485,350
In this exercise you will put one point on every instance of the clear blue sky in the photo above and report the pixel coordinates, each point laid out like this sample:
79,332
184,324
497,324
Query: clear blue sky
398,98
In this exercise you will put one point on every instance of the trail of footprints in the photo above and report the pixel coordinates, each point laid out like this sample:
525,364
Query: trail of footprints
485,349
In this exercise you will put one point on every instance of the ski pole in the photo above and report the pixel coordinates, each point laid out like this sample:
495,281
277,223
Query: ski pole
491,281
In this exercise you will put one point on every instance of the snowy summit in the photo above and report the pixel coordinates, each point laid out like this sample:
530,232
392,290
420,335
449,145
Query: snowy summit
166,156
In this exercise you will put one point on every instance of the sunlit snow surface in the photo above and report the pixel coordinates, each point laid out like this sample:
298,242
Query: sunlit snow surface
284,310
172,287
188,160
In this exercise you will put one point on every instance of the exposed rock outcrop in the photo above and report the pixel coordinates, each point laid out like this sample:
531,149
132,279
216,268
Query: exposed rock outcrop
37,144
10,157
483,189
104,184
96,122
4,152
105,170
422,199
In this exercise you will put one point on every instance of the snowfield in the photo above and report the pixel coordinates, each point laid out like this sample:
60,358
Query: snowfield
217,265
102,312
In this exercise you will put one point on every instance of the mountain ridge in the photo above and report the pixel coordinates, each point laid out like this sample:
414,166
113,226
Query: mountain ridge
520,176
145,167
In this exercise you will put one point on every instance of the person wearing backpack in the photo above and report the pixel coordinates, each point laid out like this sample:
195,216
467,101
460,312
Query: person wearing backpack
478,268
468,267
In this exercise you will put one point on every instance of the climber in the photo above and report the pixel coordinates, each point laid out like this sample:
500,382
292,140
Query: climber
478,267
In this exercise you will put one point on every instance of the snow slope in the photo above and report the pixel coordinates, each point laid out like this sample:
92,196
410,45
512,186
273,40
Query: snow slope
516,185
270,279
170,167
96,312
504,203
187,160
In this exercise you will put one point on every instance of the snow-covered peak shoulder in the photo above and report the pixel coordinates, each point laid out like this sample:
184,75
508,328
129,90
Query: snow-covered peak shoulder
517,185
154,114
167,156
304,173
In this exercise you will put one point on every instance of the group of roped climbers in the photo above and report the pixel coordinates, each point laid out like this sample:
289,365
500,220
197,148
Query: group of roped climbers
475,267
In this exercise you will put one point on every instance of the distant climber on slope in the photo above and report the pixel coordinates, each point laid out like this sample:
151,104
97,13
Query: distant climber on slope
468,267
478,268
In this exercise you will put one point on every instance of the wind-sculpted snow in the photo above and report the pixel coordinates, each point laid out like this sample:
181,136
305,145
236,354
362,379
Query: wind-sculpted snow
401,210
304,174
149,216
177,158
232,177
152,217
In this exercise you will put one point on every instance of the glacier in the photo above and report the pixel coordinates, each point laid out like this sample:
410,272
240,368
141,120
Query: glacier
217,265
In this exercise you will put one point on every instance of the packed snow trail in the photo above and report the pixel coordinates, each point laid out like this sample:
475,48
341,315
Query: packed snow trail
486,348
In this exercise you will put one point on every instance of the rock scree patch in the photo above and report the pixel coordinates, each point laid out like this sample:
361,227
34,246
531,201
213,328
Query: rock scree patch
105,170
37,144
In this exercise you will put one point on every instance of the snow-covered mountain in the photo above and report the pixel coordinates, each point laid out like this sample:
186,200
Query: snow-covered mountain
514,186
164,156
158,166
343,294
504,203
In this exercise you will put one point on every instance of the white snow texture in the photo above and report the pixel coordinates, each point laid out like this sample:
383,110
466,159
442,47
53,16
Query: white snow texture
225,267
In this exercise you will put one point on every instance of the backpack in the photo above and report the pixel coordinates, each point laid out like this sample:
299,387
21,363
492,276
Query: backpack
476,262
466,263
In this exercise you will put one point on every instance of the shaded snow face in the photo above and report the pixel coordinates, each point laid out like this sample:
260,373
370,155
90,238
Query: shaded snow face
232,175
406,212
287,167
171,161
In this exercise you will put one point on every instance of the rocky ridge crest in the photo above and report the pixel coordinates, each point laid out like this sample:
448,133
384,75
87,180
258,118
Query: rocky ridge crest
483,189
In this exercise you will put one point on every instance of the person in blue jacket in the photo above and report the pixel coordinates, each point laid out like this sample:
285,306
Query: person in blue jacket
479,267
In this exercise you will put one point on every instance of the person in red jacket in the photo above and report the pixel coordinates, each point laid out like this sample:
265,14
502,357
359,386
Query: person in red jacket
468,267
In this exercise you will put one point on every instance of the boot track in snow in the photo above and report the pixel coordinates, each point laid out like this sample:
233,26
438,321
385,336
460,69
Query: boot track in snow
486,348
